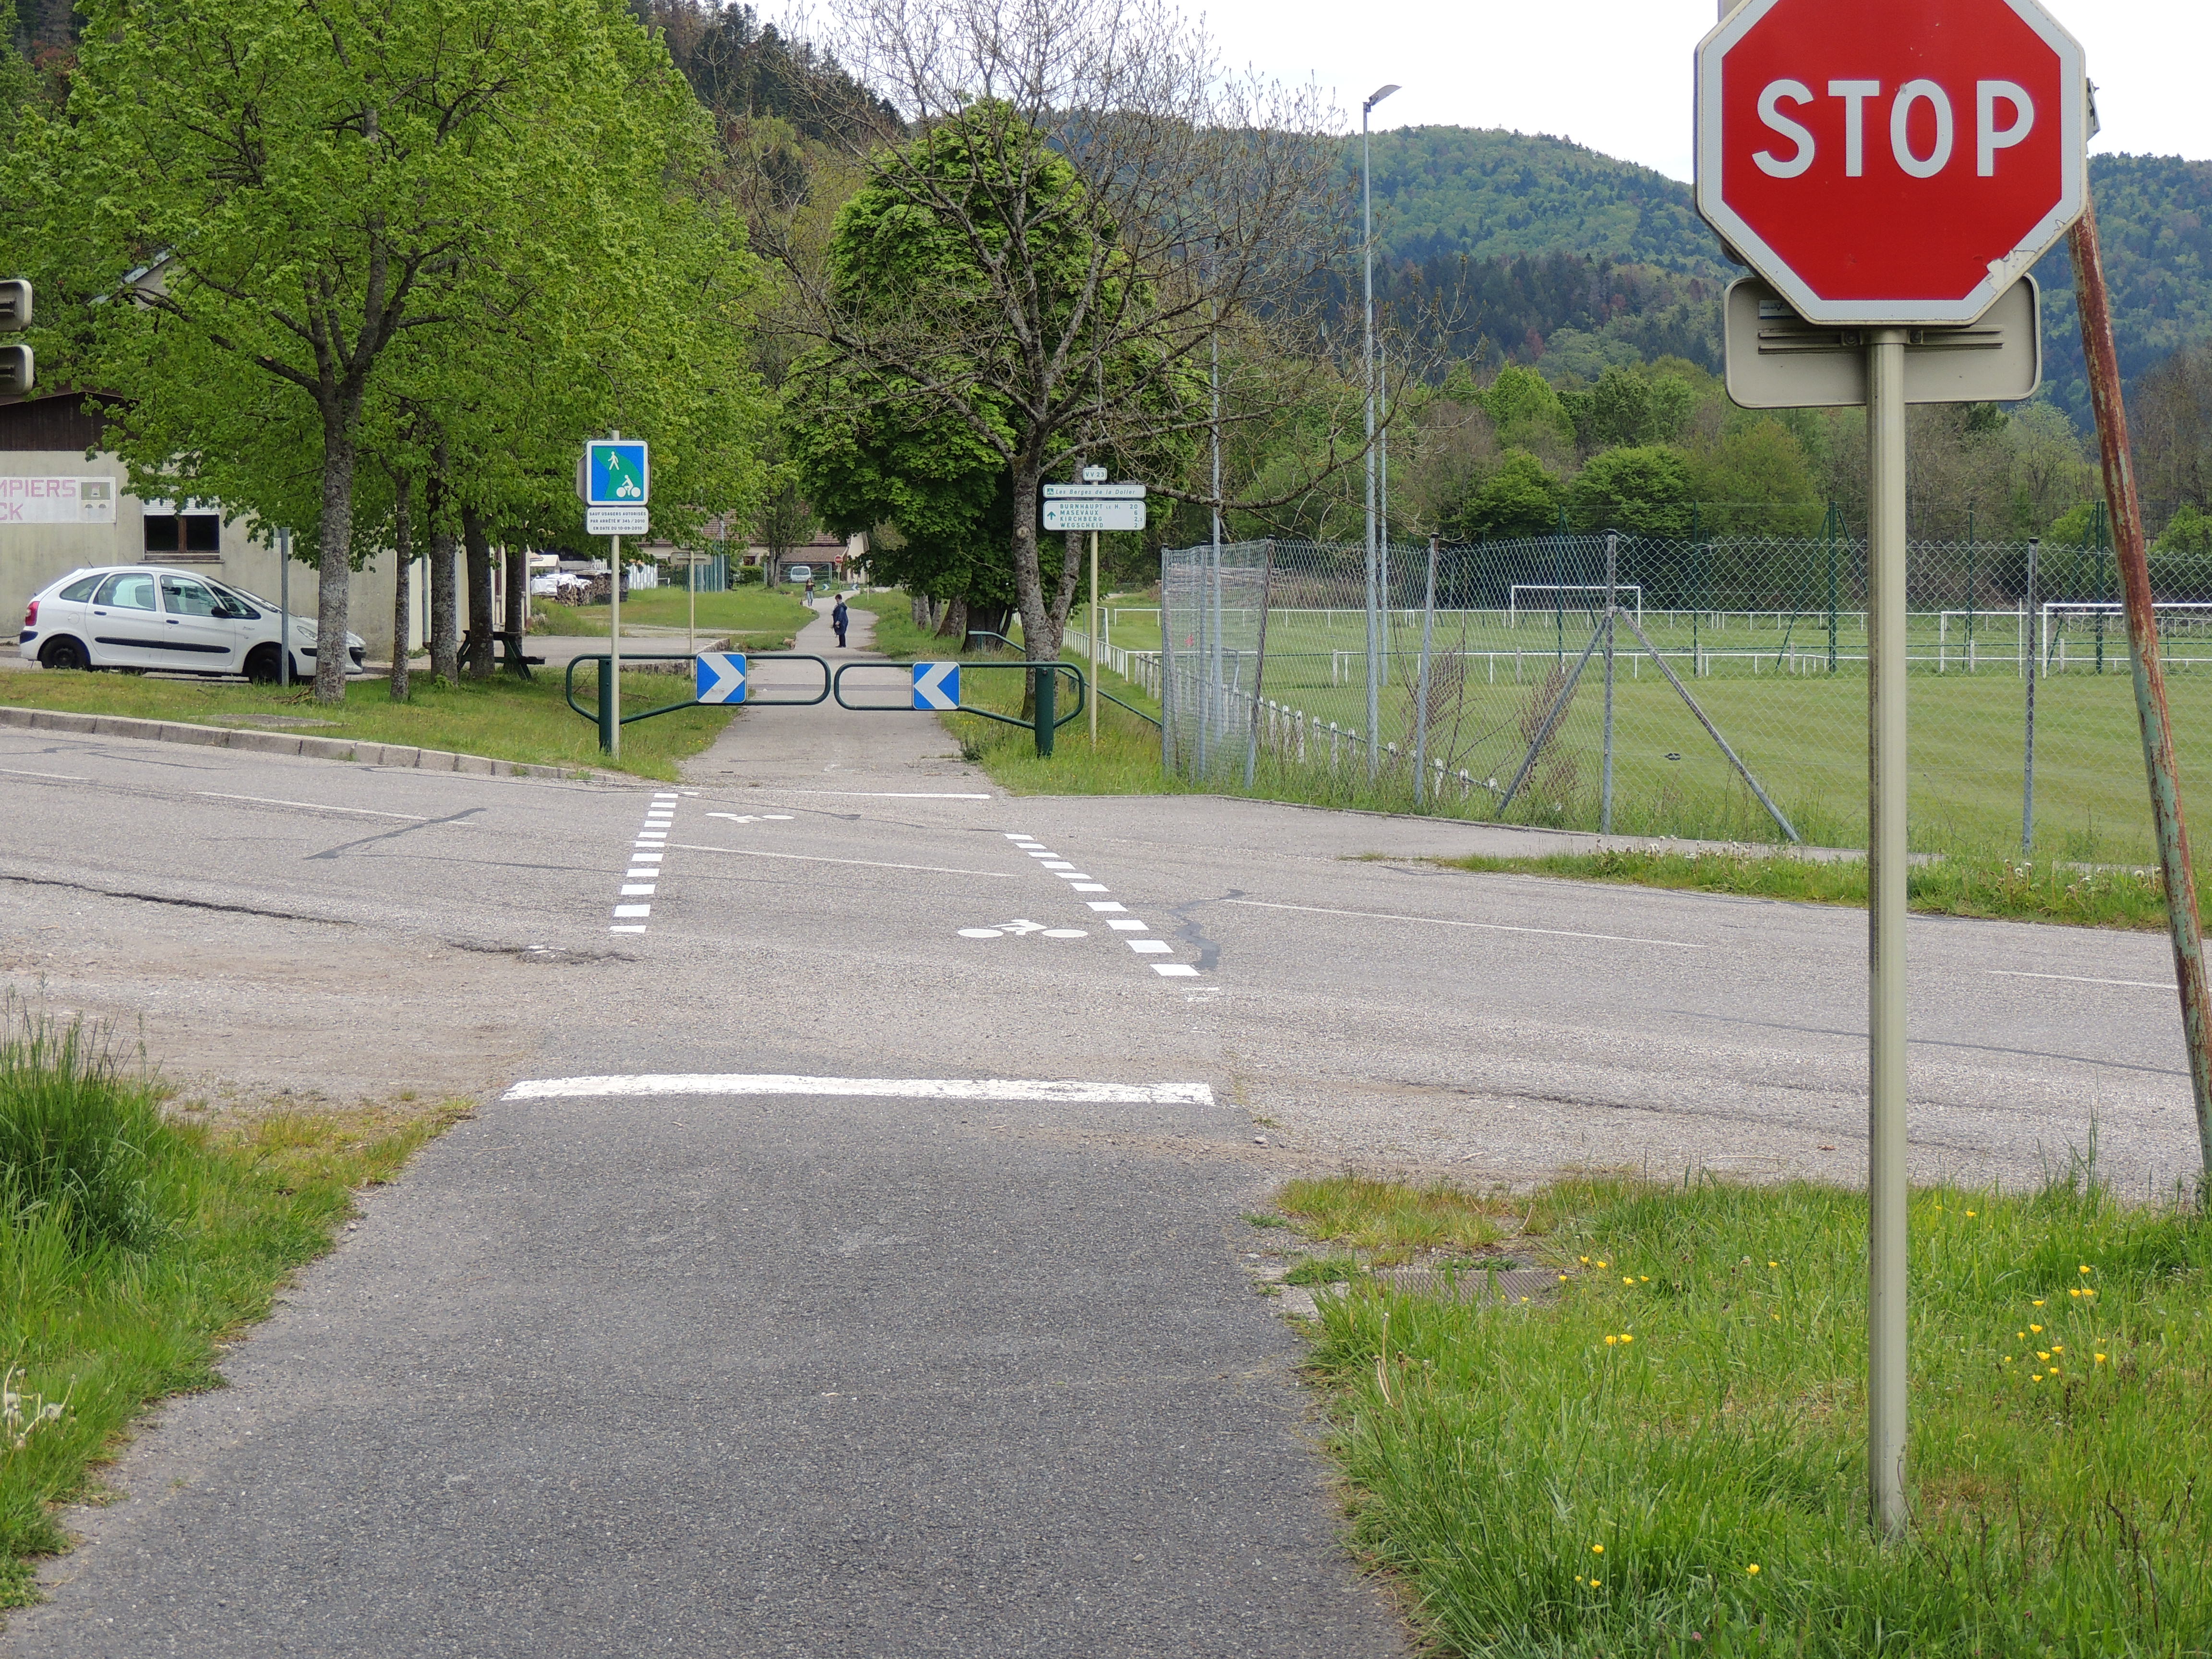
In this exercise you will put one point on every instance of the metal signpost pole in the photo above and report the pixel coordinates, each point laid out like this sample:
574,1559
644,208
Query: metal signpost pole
1612,596
1886,871
284,608
2029,658
1367,267
1094,636
1421,694
611,740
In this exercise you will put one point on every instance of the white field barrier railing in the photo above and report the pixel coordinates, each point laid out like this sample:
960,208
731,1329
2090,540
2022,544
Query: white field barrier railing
1140,668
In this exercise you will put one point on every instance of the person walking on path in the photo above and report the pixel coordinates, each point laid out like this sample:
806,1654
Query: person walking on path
838,616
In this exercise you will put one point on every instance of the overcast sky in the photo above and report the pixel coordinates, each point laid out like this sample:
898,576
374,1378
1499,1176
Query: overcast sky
1615,73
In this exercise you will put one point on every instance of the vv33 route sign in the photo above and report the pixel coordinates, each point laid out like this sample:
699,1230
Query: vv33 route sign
1891,162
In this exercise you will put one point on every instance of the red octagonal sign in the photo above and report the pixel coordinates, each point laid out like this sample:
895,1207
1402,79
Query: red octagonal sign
1898,162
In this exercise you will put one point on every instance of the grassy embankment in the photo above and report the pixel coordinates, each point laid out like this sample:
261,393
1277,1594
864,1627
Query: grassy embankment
504,718
1669,1458
132,1245
2001,889
750,619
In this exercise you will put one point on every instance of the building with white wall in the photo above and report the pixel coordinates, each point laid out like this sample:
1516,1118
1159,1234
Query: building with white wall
65,503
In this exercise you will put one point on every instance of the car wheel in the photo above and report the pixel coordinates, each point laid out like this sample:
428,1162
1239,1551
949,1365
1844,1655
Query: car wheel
261,665
65,653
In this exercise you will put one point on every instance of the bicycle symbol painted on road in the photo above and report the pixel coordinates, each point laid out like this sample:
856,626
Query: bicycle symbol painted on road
1018,928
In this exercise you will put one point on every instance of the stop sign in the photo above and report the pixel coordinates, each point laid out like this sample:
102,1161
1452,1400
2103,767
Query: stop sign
1897,162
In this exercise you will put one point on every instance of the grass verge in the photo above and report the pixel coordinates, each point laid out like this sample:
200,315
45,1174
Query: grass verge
504,718
1669,1457
754,619
131,1247
1999,889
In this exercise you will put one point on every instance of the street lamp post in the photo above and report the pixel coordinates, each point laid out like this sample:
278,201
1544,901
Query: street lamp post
1367,265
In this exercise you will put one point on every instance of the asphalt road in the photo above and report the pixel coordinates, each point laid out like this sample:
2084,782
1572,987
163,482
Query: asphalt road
748,1367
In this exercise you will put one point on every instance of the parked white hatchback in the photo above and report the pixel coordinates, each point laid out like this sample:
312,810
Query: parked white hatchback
151,616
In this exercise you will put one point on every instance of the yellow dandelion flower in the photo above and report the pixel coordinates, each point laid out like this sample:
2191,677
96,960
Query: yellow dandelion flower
1597,1549
2074,1291
1611,1340
1563,1279
1774,1264
1595,1583
2037,1377
2058,1347
1970,1215
1777,1318
2007,1359
1579,1579
2085,1267
1524,1298
2100,1360
2035,1327
1626,1337
2037,1302
2021,1335
1604,1264
1628,1281
2088,1292
1939,1207
1644,1278
1753,1570
2039,1354
1585,1261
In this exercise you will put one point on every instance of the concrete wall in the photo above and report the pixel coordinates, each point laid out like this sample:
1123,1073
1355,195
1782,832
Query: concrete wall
33,555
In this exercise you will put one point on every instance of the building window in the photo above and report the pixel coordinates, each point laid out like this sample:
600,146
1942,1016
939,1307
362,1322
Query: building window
185,533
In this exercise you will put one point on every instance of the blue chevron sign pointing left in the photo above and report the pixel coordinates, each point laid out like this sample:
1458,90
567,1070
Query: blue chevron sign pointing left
719,677
937,686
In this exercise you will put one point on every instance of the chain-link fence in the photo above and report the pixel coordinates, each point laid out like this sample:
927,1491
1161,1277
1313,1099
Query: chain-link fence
1711,688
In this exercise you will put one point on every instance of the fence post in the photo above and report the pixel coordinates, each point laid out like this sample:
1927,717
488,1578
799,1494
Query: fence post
1048,681
1421,695
1259,663
1612,600
1834,516
1971,601
2028,763
1559,585
2103,585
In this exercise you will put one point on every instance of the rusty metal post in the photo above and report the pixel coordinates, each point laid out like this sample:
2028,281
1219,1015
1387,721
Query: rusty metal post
2126,520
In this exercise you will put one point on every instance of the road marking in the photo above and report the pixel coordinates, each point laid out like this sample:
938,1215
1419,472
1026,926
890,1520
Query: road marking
866,1088
1106,905
883,794
2083,979
1071,875
634,910
625,930
1486,927
1091,887
1151,947
1128,925
1174,970
58,777
752,817
636,889
318,806
812,858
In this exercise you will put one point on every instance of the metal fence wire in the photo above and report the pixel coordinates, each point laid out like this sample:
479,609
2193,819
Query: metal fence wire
1712,688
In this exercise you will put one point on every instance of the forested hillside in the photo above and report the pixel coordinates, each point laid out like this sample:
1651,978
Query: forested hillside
1498,246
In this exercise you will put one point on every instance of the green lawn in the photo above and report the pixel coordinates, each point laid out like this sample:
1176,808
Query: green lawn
1799,729
766,619
502,718
1668,1457
132,1245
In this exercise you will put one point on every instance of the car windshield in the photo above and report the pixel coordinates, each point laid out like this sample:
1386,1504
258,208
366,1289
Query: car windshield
239,597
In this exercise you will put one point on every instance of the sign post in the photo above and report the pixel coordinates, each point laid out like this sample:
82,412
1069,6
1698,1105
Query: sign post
613,478
1891,168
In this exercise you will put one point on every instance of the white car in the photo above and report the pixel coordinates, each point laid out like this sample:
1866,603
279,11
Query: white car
143,616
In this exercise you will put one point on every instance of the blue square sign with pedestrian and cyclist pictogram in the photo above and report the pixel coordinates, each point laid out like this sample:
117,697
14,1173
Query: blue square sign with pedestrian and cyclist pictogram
615,472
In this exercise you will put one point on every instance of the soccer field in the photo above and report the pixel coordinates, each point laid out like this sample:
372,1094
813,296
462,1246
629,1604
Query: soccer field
1765,681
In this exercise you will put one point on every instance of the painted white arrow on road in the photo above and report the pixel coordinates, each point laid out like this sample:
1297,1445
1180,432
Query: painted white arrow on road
937,686
720,677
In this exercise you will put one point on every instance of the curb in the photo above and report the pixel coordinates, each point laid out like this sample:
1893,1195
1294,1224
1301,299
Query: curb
281,742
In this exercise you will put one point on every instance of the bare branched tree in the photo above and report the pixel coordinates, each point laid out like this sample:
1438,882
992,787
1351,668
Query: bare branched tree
1098,203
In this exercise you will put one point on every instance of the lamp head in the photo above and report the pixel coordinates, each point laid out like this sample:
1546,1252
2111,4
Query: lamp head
1379,94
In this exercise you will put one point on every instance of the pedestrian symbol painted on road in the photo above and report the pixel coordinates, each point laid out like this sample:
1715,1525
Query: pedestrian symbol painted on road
720,677
937,686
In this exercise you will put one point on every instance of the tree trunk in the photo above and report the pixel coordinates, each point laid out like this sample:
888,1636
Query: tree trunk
403,550
1039,639
445,608
1071,577
518,608
954,627
924,609
482,625
334,574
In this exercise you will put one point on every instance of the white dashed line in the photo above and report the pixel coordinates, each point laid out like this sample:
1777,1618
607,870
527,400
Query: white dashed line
1078,882
1151,947
639,880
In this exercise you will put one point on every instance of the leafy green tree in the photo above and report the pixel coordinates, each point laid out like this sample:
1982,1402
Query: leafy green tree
1627,409
1644,490
286,195
1522,497
2187,531
1526,411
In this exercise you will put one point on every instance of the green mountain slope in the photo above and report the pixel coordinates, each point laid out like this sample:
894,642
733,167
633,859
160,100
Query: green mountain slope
1545,248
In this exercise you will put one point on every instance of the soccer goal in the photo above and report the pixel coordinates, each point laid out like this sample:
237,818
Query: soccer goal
1558,594
2082,633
